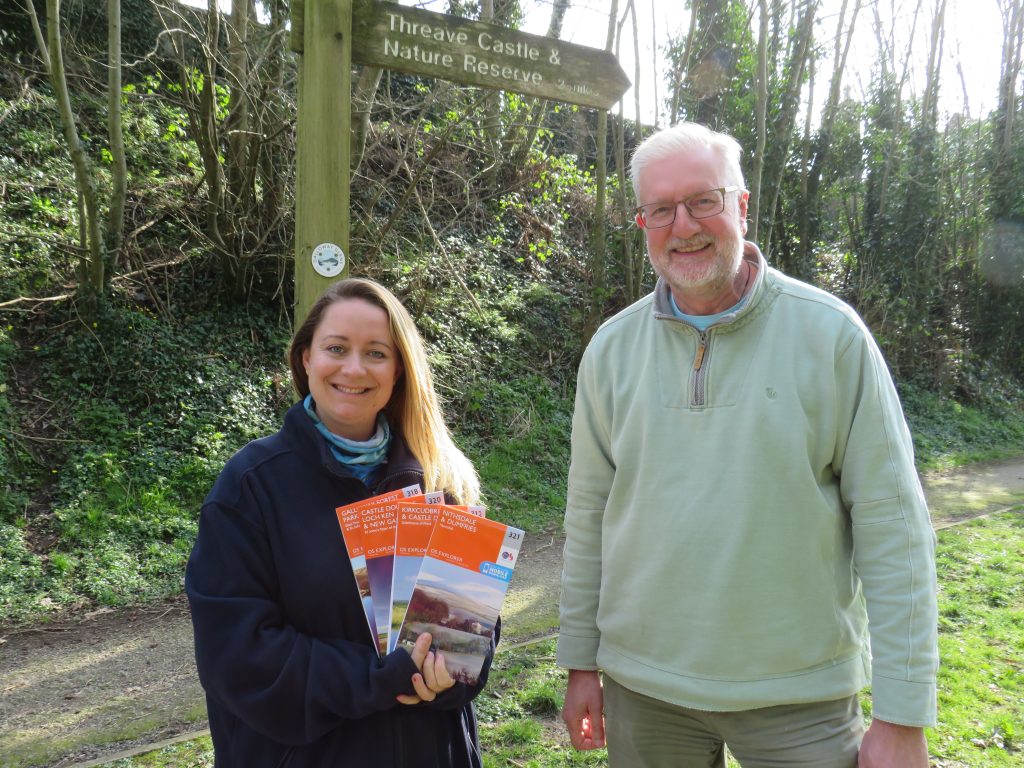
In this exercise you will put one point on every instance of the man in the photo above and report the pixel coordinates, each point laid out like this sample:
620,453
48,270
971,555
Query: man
743,510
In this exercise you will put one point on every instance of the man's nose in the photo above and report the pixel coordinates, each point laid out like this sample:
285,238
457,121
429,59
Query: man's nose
684,225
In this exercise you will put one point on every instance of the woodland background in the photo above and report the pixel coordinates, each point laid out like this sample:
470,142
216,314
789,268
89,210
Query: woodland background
146,221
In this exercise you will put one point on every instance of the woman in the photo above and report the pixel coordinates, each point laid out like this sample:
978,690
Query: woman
289,666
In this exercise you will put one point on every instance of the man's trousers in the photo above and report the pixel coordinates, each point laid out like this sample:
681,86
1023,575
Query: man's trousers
643,732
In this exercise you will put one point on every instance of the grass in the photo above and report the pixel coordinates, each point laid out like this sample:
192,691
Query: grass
194,753
519,712
123,732
981,679
981,633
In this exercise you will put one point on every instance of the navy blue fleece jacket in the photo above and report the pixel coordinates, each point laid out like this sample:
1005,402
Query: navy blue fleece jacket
282,645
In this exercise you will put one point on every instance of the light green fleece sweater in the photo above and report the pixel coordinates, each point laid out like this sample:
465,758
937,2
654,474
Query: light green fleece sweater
737,500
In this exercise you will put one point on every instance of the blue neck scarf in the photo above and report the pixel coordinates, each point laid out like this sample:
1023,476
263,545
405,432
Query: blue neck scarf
360,457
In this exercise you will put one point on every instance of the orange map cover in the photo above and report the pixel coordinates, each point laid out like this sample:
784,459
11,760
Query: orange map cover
460,589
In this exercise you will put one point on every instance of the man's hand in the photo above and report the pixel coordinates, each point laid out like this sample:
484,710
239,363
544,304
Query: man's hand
887,745
432,678
583,711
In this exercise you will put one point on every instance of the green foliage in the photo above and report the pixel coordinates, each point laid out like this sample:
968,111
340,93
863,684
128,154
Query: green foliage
22,577
38,198
148,413
156,133
524,459
38,207
948,432
196,753
15,460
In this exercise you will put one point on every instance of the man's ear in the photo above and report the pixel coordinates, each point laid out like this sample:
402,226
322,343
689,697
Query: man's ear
743,199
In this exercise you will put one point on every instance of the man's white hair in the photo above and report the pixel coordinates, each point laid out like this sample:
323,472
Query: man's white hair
685,137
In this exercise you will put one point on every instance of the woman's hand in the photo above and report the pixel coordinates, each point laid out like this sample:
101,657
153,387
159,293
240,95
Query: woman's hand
432,678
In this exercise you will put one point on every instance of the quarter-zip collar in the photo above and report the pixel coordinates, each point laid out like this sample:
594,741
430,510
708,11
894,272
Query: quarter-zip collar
729,322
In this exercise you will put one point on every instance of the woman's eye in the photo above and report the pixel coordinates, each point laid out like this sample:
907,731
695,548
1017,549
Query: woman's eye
376,354
334,349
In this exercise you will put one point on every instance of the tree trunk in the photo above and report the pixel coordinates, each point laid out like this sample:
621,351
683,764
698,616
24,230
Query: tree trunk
205,131
238,125
654,63
631,10
274,159
538,109
810,223
929,106
682,67
91,267
598,249
783,129
619,135
363,95
805,158
491,114
44,50
119,169
760,112
362,105
1013,28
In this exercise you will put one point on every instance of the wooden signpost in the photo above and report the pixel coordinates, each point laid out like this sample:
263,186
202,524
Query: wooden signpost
330,35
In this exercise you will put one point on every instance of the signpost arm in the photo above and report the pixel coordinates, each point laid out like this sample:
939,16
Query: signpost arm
322,147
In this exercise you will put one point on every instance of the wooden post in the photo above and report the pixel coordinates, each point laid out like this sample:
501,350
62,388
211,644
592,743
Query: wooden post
323,154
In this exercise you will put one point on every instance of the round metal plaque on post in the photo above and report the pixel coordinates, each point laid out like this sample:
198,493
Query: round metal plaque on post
328,260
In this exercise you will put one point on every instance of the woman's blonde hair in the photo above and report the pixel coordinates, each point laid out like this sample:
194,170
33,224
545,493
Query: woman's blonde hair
414,410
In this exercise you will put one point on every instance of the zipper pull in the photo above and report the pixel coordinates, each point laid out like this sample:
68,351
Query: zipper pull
698,360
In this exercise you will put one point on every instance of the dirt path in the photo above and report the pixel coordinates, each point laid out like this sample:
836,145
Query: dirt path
77,692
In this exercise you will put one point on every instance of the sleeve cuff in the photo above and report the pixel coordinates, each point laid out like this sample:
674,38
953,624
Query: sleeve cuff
398,668
577,652
903,702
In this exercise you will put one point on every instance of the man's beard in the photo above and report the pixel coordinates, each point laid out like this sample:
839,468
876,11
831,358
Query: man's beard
705,275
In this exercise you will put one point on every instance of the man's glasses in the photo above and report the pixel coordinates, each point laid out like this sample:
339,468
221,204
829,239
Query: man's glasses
703,205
